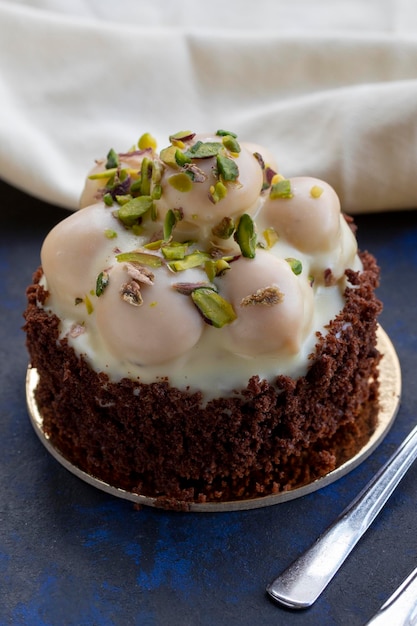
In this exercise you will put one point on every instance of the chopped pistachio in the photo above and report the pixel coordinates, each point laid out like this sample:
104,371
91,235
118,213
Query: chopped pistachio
215,310
174,251
225,133
147,141
157,171
103,174
231,144
146,176
107,199
181,158
130,212
216,267
281,189
204,150
295,265
316,191
224,229
140,273
181,182
267,296
178,139
102,282
195,173
167,156
187,288
271,176
137,229
245,236
217,192
258,156
154,245
88,305
156,192
150,260
112,159
227,168
124,199
271,237
135,187
171,218
195,259
131,293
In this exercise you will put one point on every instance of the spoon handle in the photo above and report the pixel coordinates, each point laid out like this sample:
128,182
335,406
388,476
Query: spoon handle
401,607
299,586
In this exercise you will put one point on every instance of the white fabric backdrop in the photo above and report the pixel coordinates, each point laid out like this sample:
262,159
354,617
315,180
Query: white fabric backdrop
329,86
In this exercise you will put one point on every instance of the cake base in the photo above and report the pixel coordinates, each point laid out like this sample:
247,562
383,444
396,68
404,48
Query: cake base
389,399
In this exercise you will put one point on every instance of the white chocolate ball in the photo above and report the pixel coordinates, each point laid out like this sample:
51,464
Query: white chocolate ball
310,219
262,328
163,327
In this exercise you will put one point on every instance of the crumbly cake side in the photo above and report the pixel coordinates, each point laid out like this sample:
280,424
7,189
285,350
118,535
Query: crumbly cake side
162,442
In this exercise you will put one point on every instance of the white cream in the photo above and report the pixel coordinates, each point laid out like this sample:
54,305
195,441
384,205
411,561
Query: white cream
166,336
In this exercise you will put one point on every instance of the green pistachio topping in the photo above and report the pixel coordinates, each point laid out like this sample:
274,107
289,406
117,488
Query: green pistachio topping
112,160
227,168
110,234
154,245
88,305
150,260
217,192
231,144
181,182
195,259
167,156
146,176
107,199
215,310
204,150
181,158
130,212
225,133
102,282
281,189
103,174
224,229
135,187
156,192
171,218
245,236
216,267
271,237
296,265
147,141
174,251
123,199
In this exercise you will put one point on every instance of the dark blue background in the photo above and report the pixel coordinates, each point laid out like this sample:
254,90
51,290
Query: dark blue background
72,555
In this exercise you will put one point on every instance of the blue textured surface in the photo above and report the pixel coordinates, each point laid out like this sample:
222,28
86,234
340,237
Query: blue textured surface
71,555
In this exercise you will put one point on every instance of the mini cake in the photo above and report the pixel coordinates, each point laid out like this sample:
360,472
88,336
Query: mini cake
203,328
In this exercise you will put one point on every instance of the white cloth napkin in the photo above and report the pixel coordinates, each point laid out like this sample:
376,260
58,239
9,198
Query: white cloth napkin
330,87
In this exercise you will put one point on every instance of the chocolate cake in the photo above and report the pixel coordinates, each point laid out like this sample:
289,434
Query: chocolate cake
204,329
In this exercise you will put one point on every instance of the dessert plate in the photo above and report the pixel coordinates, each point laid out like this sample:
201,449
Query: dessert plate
390,392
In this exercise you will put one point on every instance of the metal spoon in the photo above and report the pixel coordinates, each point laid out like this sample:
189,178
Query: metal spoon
401,607
299,586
